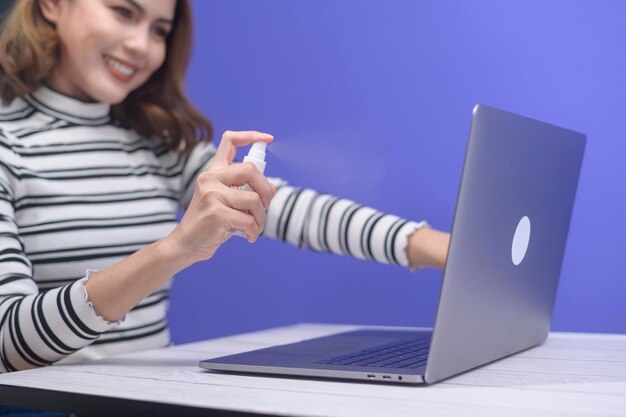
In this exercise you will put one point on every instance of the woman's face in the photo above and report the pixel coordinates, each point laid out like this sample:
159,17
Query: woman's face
108,48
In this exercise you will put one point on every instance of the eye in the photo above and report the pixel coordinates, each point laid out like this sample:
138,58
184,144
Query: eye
123,12
161,32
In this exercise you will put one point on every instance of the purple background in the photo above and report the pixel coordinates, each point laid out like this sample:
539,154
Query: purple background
371,100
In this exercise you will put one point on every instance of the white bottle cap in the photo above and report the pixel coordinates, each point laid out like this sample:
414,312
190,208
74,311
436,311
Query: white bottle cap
256,155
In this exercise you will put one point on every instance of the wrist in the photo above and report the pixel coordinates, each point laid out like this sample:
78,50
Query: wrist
428,248
172,253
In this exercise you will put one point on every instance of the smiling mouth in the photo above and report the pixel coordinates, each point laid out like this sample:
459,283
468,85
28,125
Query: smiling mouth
121,70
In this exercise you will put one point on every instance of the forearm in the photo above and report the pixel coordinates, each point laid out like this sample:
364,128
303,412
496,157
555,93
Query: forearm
325,223
428,248
116,290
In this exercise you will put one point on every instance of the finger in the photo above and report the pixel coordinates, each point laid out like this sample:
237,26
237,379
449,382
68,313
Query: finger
231,140
248,202
246,173
238,221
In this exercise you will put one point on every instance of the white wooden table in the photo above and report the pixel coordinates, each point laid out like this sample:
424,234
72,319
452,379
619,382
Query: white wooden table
572,374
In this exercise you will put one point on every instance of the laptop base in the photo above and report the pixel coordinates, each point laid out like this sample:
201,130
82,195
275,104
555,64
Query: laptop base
307,358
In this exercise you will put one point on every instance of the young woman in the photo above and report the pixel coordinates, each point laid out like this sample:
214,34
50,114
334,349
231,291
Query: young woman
99,149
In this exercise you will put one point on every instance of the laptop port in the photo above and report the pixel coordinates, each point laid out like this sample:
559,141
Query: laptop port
371,376
386,377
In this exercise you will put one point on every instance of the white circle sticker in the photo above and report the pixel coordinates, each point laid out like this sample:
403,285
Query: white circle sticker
521,238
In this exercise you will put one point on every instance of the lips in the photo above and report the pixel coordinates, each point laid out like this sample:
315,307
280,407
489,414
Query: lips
121,70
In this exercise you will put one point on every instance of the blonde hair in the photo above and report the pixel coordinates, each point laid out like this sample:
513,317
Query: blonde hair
29,50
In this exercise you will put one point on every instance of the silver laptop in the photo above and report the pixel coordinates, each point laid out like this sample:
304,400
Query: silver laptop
499,285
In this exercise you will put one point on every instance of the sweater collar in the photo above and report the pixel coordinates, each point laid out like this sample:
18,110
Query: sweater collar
59,105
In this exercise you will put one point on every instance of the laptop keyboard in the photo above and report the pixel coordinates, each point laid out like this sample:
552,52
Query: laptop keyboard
409,354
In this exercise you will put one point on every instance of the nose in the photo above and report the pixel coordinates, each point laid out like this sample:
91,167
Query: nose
138,41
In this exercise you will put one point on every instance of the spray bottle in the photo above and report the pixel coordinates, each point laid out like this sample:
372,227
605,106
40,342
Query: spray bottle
256,155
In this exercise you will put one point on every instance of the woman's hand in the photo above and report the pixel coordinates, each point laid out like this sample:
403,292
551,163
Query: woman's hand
216,209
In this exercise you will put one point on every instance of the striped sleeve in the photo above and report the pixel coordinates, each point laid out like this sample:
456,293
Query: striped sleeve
325,223
36,328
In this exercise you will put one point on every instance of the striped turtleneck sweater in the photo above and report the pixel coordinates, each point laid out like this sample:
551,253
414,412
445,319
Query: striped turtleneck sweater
79,192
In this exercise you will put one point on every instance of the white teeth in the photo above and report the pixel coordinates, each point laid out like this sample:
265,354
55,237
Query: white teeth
118,66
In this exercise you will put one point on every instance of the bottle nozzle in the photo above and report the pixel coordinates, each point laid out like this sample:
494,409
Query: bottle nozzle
256,155
259,147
